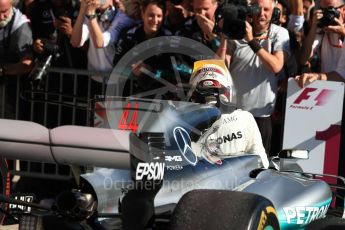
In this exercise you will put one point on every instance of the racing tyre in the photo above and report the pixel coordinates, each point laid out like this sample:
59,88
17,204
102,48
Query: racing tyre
221,209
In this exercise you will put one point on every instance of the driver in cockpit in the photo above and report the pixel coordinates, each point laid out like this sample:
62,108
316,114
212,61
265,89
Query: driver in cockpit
236,132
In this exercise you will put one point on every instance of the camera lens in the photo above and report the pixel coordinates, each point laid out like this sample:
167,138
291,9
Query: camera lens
329,16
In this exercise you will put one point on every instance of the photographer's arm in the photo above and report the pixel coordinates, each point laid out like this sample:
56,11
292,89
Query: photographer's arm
307,51
96,33
222,51
274,61
296,19
206,25
297,7
78,26
22,67
338,29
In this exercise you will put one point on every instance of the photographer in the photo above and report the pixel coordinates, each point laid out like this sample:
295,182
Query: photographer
178,13
52,23
326,38
101,23
255,62
200,27
15,53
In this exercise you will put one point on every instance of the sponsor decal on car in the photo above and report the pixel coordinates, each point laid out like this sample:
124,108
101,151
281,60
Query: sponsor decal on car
174,167
153,171
183,142
177,159
303,215
173,158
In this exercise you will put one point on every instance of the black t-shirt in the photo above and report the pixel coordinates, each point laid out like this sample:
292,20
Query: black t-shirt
191,30
43,13
159,64
42,16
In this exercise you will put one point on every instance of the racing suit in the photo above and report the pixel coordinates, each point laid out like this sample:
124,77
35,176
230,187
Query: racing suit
235,133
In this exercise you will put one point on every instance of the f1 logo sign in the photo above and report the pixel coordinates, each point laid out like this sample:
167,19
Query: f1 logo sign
308,93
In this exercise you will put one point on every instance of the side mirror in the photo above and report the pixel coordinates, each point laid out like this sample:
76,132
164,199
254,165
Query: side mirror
294,154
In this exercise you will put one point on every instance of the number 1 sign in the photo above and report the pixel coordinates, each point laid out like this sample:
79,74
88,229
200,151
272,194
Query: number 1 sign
313,122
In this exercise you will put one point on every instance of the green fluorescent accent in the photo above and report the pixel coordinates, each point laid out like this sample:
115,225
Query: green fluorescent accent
293,223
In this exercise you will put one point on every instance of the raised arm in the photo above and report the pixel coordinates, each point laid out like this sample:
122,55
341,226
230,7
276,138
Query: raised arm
77,31
273,61
307,48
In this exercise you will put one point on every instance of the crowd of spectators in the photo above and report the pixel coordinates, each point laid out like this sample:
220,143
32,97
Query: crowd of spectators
286,38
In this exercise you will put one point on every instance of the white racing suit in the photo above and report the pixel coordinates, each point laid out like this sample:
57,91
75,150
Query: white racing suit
233,134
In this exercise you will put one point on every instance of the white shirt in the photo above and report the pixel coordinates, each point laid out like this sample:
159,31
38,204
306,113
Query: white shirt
332,58
256,84
101,59
235,134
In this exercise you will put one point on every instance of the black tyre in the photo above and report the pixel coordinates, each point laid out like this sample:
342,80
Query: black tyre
221,209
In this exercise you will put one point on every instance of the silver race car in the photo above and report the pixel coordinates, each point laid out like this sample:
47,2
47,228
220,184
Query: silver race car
152,178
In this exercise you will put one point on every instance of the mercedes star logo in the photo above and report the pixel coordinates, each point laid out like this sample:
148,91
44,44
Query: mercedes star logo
183,142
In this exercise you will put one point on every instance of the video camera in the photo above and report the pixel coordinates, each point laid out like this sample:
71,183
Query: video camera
51,51
329,16
234,13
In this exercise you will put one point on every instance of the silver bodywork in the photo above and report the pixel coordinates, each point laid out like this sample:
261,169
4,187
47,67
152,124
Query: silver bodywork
285,190
109,183
297,199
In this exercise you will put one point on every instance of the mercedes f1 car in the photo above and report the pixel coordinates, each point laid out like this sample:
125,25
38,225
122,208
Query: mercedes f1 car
151,178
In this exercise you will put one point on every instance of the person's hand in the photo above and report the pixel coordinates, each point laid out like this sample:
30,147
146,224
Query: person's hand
316,17
38,46
83,5
249,32
206,25
180,11
307,78
214,159
92,5
339,28
64,25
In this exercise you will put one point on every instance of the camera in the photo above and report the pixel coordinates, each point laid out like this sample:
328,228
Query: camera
329,16
234,13
51,51
50,48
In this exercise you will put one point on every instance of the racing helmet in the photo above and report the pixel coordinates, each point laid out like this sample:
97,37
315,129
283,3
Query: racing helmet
212,84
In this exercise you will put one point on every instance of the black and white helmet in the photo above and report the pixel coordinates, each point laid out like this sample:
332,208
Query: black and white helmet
212,84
